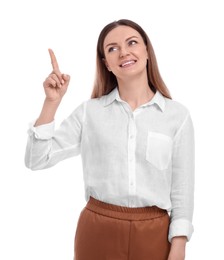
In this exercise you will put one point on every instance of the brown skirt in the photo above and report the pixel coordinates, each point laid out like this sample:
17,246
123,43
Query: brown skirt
110,232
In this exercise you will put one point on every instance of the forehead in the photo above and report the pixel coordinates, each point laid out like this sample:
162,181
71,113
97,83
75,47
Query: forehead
120,33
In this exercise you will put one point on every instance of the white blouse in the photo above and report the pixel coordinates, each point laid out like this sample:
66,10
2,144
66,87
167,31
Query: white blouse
130,158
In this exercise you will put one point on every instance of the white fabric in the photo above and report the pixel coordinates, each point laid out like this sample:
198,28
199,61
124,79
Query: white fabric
130,158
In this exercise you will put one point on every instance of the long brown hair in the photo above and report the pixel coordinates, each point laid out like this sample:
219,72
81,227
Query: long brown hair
105,81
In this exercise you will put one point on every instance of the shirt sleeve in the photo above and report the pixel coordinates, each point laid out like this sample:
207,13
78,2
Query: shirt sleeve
182,190
47,146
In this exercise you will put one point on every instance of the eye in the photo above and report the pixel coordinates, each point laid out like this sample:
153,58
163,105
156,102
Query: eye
132,42
111,49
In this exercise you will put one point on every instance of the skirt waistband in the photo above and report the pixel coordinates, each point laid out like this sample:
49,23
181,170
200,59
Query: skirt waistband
125,213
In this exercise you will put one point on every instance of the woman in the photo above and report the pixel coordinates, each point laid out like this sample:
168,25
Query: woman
137,148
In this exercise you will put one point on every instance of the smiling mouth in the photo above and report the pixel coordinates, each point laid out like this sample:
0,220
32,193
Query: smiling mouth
127,63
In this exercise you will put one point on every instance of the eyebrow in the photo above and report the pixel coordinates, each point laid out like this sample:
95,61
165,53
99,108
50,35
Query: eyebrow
114,43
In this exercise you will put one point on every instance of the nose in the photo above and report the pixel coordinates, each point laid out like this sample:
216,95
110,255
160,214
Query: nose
123,51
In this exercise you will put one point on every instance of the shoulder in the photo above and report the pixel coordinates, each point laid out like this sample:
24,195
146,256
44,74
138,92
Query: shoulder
176,107
177,112
91,105
103,100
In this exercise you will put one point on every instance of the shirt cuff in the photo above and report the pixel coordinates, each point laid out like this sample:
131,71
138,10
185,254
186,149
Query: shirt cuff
180,227
42,132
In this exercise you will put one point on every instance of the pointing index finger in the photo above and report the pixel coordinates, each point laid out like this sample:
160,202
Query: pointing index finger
53,60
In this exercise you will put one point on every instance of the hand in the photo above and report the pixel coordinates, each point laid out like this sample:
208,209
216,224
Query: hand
56,84
177,251
176,255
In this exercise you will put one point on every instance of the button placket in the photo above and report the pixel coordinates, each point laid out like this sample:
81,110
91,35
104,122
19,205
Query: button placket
131,157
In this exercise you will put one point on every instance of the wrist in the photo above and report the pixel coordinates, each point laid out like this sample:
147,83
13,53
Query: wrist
179,241
52,103
48,112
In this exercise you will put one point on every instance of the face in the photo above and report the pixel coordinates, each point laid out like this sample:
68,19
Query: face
125,52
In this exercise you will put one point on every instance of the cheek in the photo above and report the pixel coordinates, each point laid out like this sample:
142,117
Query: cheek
105,62
110,61
145,53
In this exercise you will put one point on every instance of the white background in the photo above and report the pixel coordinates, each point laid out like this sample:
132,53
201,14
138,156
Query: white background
39,210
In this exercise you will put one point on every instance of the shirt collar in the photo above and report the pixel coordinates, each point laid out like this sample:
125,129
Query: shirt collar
158,99
109,98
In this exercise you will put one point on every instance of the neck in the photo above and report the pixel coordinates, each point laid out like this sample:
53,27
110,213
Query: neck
135,94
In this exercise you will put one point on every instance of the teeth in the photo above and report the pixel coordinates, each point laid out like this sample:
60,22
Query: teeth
127,63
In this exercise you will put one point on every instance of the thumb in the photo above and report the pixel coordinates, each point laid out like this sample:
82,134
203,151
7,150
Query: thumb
65,77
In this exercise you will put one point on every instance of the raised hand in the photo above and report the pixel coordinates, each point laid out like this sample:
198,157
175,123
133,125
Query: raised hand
56,84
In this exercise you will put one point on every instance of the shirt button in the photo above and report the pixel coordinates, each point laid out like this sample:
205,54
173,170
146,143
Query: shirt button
131,136
131,183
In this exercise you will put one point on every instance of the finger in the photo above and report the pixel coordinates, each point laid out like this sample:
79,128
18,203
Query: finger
55,78
49,82
66,77
55,65
53,60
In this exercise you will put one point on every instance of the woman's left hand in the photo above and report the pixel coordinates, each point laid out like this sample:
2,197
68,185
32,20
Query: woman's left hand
175,255
177,251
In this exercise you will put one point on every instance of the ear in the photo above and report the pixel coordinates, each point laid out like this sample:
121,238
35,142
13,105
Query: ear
147,53
106,64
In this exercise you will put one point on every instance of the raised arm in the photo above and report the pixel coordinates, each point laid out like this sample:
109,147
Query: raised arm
55,86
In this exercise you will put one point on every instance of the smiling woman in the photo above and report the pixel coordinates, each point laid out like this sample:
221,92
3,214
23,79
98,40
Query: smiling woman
120,37
127,57
137,148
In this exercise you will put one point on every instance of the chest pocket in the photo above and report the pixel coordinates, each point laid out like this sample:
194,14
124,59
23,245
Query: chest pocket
159,150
